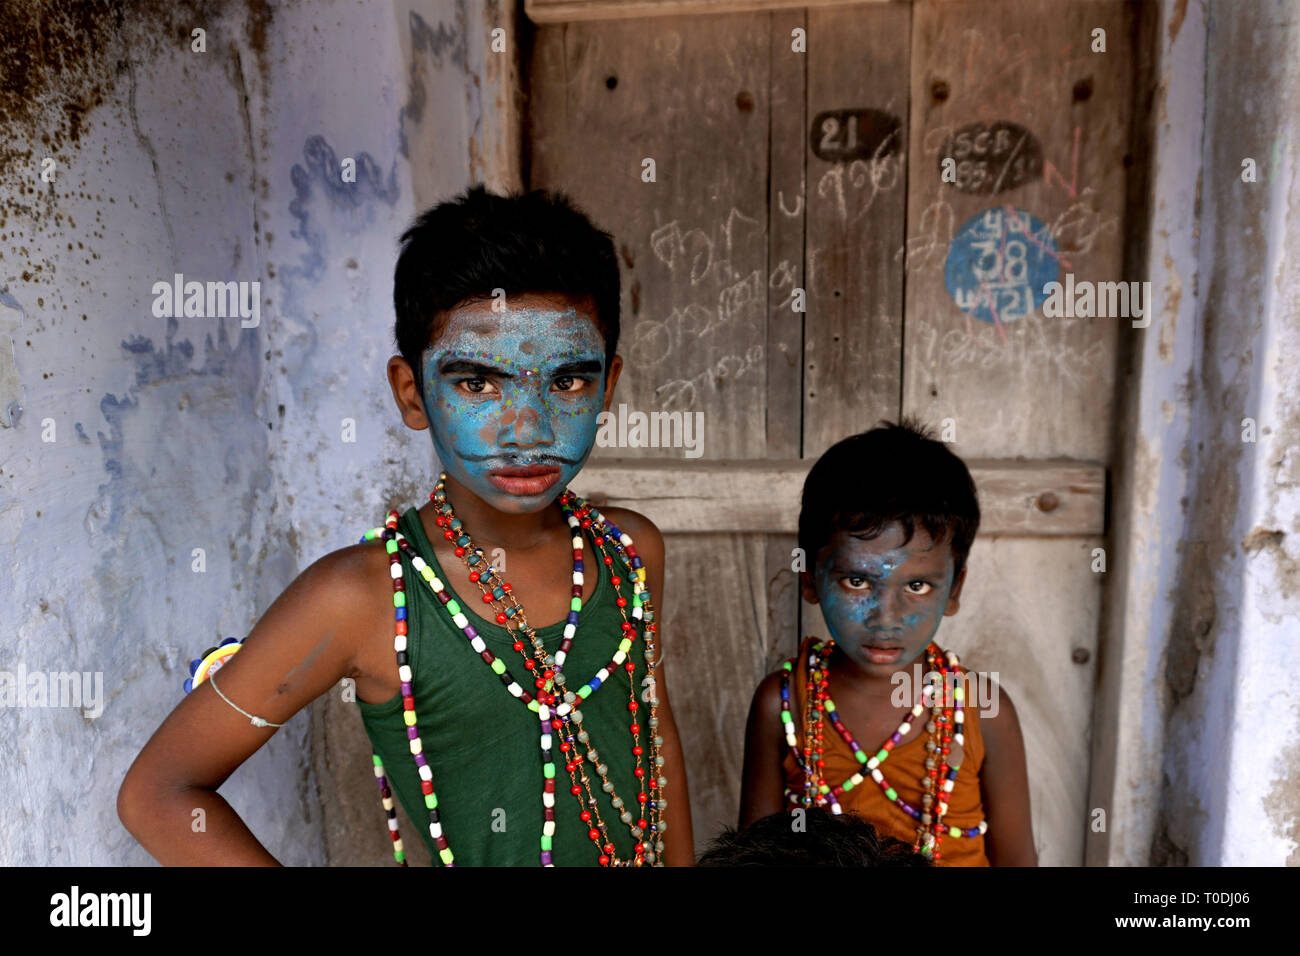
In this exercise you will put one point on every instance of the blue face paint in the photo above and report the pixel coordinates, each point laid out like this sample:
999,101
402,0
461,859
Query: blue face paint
883,601
512,399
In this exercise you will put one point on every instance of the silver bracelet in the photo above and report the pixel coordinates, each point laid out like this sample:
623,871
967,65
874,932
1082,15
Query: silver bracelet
254,720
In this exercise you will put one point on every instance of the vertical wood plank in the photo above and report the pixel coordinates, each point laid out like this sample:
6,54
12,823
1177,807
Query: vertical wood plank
785,217
692,94
1037,125
856,202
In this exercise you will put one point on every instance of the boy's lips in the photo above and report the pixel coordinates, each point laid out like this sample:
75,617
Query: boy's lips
524,480
882,653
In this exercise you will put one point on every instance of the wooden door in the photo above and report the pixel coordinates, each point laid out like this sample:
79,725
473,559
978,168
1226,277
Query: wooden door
782,173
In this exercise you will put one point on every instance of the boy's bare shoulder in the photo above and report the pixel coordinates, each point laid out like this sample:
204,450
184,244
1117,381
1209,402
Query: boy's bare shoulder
646,537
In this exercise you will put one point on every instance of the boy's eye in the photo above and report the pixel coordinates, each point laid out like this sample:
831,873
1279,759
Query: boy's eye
569,383
924,585
855,583
478,386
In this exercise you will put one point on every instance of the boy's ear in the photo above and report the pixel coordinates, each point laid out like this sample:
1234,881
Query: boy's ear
954,596
611,379
401,379
808,587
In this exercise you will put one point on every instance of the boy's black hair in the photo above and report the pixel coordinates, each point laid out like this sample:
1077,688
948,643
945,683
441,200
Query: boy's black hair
894,472
460,250
825,840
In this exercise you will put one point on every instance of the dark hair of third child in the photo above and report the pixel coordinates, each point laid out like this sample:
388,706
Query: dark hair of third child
825,839
463,249
894,472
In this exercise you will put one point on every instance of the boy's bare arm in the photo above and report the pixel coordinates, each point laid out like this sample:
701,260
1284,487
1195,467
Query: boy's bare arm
679,839
1004,789
305,643
762,786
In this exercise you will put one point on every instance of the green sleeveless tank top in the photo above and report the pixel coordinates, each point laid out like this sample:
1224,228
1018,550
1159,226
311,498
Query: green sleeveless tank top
483,745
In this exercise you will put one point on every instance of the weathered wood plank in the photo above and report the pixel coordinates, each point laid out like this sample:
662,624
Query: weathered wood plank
856,203
1037,126
1033,498
555,11
691,95
785,230
1029,617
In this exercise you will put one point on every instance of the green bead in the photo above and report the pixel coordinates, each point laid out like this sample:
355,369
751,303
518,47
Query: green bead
575,604
861,755
786,718
378,762
399,599
546,842
891,793
954,832
453,607
399,856
847,786
431,801
882,755
497,666
445,856
584,691
390,545
548,770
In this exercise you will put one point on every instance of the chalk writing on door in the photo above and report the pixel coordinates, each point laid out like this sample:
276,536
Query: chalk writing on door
841,135
992,157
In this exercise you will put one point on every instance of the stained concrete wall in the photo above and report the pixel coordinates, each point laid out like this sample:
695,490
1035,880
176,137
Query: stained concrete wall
130,440
1194,739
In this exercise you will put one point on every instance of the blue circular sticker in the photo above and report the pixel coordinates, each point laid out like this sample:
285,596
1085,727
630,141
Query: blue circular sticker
998,263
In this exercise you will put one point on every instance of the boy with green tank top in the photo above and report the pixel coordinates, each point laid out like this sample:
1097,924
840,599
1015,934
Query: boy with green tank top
504,639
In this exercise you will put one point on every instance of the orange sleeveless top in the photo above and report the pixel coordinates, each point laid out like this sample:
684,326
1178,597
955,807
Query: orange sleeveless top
903,770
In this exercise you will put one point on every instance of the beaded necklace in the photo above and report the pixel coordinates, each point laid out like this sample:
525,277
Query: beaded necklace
563,717
944,746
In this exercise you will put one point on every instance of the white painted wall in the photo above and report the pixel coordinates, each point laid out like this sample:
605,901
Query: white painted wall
171,435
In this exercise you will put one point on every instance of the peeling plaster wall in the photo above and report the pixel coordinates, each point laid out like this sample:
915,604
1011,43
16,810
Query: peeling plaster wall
1194,739
176,434
1230,794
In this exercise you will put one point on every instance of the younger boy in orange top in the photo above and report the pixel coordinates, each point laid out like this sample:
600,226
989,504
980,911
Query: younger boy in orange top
887,522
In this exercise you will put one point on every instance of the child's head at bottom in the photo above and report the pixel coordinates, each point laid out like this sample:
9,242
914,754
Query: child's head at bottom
886,524
809,837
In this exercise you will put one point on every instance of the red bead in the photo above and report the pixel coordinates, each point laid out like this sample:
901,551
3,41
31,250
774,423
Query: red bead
565,747
642,824
621,602
530,664
487,598
594,834
577,791
616,580
632,706
585,815
519,645
629,667
635,728
460,552
642,797
473,576
557,724
639,771
449,535
604,860
639,848
637,751
506,587
501,617
608,848
548,674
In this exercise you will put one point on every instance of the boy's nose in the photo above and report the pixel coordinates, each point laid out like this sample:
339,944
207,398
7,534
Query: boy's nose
525,426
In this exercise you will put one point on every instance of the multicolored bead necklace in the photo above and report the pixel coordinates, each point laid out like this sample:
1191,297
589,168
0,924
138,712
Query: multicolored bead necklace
944,746
549,682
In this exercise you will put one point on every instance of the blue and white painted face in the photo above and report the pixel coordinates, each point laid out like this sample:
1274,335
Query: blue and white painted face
512,398
882,600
